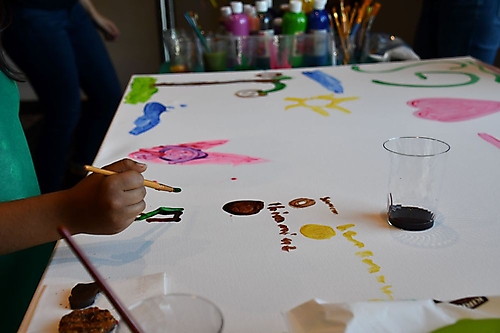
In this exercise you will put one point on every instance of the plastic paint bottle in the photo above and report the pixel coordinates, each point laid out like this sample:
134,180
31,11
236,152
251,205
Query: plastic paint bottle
307,6
266,32
253,20
295,24
277,23
294,20
270,9
318,27
317,19
265,18
225,12
239,28
237,22
283,9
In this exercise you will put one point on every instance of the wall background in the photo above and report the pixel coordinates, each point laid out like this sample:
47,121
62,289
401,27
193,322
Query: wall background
139,49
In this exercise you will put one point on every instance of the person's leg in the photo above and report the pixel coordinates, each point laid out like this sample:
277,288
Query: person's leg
425,41
38,43
99,82
469,27
486,41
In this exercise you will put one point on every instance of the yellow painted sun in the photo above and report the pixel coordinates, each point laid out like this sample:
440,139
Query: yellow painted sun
310,102
317,231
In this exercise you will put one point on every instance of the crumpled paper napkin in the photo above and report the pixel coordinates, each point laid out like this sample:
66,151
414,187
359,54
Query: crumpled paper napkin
412,316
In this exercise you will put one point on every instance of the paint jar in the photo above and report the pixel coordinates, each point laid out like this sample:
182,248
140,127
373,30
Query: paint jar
216,59
184,50
319,49
283,51
241,52
344,51
416,171
175,313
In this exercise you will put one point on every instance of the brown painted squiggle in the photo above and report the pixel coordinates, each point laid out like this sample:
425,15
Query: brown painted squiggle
277,212
327,201
302,202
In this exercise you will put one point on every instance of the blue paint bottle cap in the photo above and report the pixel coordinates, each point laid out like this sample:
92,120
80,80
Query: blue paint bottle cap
319,4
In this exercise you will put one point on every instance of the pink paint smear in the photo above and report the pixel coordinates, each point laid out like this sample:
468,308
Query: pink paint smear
453,109
489,138
192,153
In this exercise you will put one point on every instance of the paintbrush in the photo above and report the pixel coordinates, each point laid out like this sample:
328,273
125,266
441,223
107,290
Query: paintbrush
343,17
359,19
197,31
373,14
122,310
342,36
147,183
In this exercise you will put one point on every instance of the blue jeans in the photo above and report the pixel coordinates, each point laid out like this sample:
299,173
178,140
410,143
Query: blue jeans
450,28
60,51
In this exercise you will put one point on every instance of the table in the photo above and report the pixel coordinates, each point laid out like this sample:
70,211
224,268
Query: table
317,138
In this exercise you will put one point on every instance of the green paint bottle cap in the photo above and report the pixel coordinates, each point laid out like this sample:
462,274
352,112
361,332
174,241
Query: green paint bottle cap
295,6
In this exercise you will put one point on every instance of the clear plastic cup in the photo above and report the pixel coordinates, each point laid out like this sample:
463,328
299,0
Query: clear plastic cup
175,313
415,177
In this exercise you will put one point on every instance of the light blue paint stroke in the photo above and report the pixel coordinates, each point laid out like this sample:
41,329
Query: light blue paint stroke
327,81
151,117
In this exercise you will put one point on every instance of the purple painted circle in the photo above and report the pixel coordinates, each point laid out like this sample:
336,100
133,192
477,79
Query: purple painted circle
181,154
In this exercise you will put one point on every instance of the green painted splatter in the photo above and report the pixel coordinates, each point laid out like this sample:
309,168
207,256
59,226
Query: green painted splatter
278,85
472,325
485,70
160,211
142,88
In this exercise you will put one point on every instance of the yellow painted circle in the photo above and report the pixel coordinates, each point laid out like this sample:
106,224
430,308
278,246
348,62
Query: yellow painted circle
317,231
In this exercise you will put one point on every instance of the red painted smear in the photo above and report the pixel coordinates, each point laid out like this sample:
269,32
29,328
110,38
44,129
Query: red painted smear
234,178
453,109
489,138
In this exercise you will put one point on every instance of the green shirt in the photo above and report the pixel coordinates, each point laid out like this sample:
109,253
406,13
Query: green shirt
21,271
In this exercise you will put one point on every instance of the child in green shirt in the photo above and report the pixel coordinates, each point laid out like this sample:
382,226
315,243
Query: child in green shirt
28,221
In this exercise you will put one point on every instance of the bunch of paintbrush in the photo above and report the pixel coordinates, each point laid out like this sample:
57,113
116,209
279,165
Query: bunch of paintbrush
353,24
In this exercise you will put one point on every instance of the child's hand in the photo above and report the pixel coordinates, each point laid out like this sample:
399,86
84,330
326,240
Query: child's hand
107,204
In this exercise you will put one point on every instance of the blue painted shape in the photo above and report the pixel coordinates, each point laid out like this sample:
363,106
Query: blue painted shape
151,117
327,81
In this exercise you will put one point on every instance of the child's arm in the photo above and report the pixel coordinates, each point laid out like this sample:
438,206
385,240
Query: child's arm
96,205
108,27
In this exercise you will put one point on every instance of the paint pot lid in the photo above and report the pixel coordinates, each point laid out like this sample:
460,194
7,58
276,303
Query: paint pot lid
261,6
225,11
319,4
295,6
237,7
250,10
